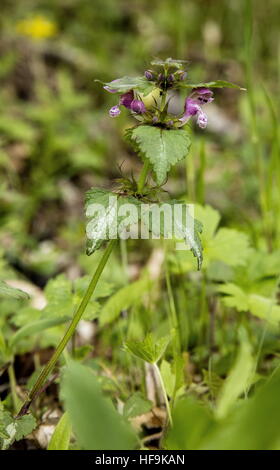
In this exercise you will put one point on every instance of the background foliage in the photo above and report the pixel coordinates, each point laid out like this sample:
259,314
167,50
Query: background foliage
56,141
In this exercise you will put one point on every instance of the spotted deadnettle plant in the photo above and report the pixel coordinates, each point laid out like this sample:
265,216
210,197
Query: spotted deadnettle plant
161,140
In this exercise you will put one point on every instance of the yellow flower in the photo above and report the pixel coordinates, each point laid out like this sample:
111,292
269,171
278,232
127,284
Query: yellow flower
37,27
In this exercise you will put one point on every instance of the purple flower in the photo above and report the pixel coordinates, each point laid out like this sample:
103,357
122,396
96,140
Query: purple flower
126,99
202,95
115,111
191,107
202,119
193,103
137,107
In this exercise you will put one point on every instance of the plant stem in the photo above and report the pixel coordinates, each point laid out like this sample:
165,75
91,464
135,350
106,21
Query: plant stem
13,386
69,333
176,340
143,176
173,313
164,394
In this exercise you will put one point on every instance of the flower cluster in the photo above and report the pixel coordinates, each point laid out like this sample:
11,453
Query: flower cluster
148,97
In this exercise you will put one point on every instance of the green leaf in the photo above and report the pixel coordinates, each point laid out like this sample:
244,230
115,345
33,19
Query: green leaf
219,271
136,405
235,296
107,223
230,246
123,299
24,426
103,288
59,295
173,376
264,308
61,437
162,147
226,245
96,423
213,84
17,129
238,379
263,264
253,425
261,307
35,327
168,377
191,422
125,84
210,219
15,429
64,296
213,382
149,350
7,291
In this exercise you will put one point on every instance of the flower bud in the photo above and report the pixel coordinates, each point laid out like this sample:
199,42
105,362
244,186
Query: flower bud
170,78
137,107
149,75
115,111
182,75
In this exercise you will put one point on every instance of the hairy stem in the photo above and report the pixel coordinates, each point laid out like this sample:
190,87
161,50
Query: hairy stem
69,333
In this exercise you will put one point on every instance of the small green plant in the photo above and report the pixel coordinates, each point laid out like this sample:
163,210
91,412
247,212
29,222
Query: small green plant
161,141
166,355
